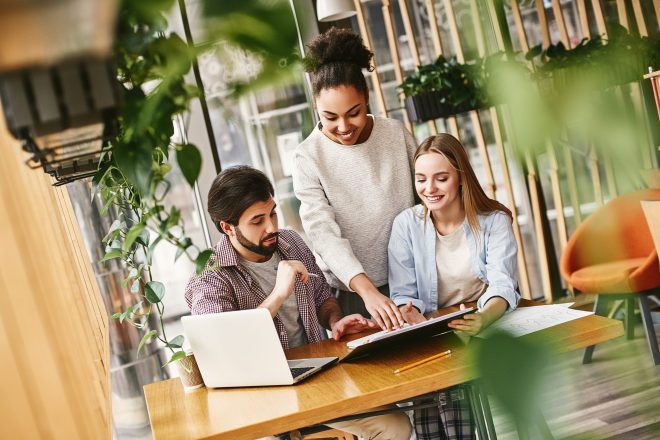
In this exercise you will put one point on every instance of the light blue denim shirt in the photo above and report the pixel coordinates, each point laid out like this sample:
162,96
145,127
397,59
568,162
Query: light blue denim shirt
411,258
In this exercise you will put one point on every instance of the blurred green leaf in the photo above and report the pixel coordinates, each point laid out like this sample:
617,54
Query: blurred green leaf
182,246
176,342
146,338
134,161
154,291
132,235
512,369
175,357
202,259
114,253
190,162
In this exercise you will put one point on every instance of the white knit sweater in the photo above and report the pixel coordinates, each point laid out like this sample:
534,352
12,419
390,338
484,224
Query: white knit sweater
350,195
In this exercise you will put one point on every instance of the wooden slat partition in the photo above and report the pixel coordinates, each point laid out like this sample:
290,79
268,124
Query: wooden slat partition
437,46
532,177
394,54
639,18
412,44
520,28
561,23
474,114
584,18
622,14
364,31
600,18
543,23
523,274
53,325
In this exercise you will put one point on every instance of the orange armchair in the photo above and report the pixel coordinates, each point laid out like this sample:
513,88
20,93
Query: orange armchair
612,254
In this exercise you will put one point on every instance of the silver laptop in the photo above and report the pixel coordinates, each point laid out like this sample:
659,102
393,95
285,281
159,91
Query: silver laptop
241,349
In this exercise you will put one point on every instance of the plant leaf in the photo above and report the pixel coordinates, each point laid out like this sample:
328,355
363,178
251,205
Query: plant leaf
132,234
177,342
154,291
190,162
113,253
146,338
175,357
183,245
134,161
202,259
135,287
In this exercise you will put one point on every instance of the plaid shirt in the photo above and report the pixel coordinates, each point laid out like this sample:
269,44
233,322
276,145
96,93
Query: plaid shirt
226,285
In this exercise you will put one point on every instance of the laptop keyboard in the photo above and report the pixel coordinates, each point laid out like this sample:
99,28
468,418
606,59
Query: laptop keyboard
295,372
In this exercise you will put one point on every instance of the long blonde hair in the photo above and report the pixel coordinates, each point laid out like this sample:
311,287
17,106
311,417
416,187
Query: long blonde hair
473,198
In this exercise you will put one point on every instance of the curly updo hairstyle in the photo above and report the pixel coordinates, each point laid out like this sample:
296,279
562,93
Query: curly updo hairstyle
336,58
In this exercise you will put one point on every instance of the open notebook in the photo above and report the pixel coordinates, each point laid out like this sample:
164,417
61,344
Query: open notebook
384,339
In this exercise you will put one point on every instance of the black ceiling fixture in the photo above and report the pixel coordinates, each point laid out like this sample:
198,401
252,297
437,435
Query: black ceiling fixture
63,114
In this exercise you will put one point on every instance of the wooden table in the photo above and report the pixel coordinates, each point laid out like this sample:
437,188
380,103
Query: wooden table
346,388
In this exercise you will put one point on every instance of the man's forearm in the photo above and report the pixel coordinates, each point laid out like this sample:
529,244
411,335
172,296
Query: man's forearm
329,313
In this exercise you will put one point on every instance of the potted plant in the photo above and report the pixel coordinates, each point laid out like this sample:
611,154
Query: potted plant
443,88
597,63
133,178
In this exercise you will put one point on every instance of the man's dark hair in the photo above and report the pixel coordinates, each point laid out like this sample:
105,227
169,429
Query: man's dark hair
234,190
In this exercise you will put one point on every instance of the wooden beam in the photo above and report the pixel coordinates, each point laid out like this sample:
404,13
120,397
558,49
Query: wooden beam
543,23
523,275
412,44
572,185
520,28
561,23
474,114
364,31
394,54
622,14
532,183
639,18
600,18
453,31
584,18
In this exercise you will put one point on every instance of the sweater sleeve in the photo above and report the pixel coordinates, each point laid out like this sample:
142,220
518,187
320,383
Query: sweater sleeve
318,220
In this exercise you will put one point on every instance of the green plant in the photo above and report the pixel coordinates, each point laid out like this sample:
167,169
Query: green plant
620,59
133,176
457,85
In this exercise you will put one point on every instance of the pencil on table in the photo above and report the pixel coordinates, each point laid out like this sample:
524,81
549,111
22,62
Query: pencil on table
423,361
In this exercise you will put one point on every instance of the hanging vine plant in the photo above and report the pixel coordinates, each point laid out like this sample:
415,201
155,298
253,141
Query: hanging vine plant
133,178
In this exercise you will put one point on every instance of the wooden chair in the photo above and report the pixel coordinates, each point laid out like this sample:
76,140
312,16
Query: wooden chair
612,255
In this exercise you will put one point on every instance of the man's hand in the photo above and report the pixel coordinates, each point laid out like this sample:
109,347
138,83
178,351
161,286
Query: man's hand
411,314
351,324
287,272
471,323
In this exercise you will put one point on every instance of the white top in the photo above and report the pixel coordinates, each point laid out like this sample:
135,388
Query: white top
350,195
457,282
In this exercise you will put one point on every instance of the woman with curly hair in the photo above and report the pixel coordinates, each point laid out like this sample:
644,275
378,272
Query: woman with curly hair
352,175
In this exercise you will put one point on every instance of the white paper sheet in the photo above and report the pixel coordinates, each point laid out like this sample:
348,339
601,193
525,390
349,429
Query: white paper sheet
525,320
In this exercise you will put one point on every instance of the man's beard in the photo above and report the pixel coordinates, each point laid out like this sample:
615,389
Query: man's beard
266,251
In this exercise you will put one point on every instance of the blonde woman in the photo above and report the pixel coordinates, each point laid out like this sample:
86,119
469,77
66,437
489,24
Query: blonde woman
457,246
